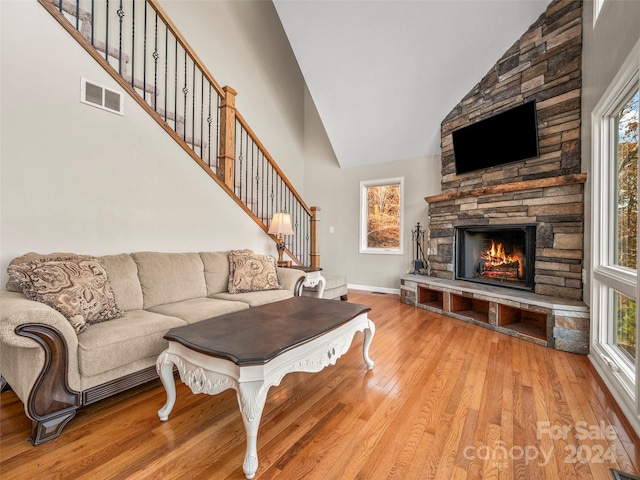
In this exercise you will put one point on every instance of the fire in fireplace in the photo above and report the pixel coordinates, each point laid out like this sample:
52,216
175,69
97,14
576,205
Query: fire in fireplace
503,255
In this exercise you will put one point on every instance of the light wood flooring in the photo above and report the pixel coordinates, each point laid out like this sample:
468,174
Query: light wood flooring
445,400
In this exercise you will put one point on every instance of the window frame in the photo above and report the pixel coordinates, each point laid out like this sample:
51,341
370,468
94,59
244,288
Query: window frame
608,277
364,186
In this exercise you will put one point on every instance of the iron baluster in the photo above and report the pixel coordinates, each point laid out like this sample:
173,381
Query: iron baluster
106,42
144,56
217,132
133,43
156,56
175,89
166,69
253,151
193,109
264,169
201,114
93,18
120,12
77,13
185,91
241,158
246,169
273,210
209,120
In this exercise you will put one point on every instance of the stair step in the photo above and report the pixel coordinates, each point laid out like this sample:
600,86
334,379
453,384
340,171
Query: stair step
137,83
84,27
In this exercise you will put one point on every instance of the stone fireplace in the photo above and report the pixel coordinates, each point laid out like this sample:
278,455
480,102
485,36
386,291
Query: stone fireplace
553,207
535,289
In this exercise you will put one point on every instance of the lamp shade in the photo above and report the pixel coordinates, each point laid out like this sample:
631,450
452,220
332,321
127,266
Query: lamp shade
281,224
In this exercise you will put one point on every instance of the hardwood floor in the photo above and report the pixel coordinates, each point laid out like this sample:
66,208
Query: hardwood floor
445,400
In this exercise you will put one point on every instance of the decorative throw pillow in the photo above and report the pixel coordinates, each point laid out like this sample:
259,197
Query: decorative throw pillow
13,286
77,287
250,272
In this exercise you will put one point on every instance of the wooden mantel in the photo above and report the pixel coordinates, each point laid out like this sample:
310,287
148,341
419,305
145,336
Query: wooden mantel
511,187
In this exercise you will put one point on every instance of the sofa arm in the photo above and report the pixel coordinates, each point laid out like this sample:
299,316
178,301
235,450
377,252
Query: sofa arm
291,279
39,359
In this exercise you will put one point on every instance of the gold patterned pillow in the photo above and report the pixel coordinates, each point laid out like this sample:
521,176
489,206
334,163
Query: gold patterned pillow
250,272
77,287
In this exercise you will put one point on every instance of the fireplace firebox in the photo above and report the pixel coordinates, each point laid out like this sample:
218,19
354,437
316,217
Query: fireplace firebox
497,255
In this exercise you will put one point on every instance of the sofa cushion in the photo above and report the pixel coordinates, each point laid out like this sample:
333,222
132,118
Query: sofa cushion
170,277
253,299
136,335
216,271
198,309
123,275
77,287
252,273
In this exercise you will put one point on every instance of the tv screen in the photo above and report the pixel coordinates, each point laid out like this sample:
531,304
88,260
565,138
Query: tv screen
506,137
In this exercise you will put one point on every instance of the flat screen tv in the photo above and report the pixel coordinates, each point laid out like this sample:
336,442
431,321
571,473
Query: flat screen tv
506,137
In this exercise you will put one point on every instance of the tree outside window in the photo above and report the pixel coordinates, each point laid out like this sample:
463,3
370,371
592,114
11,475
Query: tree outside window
627,183
381,216
626,219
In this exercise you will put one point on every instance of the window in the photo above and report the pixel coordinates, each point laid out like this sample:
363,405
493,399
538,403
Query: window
381,218
614,290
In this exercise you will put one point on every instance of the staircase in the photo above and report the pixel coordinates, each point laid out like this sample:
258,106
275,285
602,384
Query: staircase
141,49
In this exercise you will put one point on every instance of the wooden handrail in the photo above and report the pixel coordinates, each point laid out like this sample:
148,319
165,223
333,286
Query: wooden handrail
185,45
270,159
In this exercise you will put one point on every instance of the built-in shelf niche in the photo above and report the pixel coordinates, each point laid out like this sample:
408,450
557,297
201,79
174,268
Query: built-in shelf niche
526,322
431,298
469,307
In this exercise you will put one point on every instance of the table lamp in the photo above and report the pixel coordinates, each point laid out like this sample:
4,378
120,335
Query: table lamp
281,225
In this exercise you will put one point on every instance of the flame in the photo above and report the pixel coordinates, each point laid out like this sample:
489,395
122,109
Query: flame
497,256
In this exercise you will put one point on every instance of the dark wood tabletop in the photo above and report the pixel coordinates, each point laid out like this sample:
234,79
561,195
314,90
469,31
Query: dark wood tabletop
257,335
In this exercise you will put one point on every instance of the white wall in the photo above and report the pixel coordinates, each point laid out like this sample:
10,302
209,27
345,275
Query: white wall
245,47
76,178
337,192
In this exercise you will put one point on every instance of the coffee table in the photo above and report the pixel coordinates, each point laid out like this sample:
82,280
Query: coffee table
252,350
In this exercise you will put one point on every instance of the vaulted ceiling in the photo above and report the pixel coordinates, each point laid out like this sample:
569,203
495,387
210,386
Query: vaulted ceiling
384,73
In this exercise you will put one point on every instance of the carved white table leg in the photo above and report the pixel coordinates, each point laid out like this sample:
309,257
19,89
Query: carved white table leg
251,399
322,283
313,279
165,372
369,332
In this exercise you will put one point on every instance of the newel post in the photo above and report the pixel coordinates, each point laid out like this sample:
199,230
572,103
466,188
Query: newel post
315,252
226,155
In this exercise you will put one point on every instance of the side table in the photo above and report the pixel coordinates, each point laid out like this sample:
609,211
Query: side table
313,278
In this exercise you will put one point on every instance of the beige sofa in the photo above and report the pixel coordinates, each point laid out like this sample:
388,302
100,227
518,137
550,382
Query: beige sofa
55,371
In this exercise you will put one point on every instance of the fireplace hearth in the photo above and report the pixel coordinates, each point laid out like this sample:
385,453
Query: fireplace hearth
496,255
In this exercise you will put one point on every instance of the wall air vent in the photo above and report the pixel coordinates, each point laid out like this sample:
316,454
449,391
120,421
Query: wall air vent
101,97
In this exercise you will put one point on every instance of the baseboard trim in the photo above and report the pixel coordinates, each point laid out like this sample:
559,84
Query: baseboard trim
367,288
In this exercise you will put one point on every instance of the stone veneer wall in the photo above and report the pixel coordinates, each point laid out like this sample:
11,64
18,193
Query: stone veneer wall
545,65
